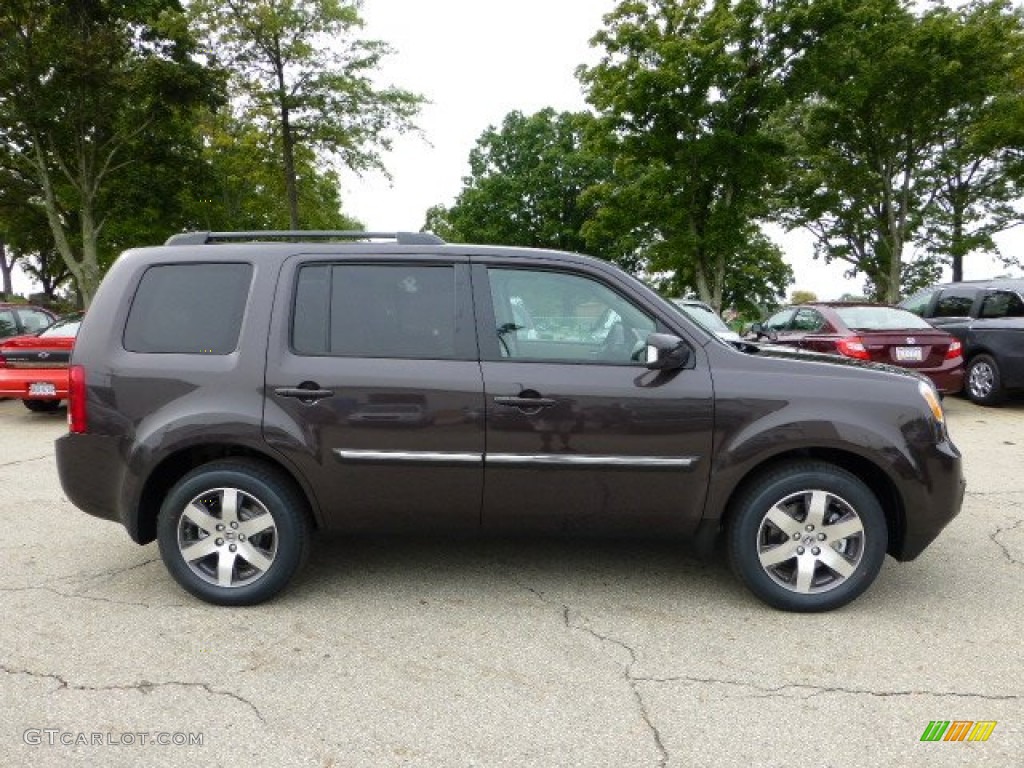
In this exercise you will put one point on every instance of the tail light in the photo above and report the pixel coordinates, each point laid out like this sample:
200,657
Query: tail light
3,361
956,349
852,346
76,400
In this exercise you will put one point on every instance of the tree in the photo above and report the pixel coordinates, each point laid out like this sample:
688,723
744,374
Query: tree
802,297
888,140
975,192
526,185
687,90
87,87
240,186
305,80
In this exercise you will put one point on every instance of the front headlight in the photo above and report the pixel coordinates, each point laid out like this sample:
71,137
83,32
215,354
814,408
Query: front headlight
932,398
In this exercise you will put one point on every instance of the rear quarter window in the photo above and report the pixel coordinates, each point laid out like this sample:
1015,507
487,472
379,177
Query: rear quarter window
188,309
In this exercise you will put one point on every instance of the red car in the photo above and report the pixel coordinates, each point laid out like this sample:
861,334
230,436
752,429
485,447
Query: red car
34,369
872,332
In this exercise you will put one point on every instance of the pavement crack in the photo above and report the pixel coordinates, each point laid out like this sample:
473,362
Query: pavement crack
818,690
631,680
143,686
24,461
1006,550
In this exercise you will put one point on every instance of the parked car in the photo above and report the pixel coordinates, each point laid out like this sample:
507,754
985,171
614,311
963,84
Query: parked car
987,316
21,319
703,314
214,379
872,332
34,368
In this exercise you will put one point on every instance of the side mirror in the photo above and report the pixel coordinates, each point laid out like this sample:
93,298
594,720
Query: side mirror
666,352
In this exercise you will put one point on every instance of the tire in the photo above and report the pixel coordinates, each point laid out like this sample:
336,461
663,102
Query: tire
783,559
233,532
42,406
983,384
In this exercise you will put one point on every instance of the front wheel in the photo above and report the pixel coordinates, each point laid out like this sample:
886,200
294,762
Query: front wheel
984,384
807,537
233,532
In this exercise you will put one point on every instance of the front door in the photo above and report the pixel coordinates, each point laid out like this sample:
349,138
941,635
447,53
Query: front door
581,436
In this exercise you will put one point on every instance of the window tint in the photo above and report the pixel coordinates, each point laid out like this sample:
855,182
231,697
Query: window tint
375,310
808,320
557,316
33,320
1002,304
779,320
7,325
955,302
188,308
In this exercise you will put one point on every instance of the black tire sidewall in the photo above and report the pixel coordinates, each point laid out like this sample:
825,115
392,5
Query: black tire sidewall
993,397
760,497
281,502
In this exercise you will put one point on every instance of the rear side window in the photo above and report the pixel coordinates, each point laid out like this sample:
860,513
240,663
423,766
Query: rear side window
955,303
375,310
1002,304
188,309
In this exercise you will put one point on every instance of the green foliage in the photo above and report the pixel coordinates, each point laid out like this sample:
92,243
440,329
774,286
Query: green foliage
687,90
89,89
887,137
802,297
526,186
302,77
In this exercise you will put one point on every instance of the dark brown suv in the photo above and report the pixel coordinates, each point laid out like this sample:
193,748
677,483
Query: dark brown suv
231,392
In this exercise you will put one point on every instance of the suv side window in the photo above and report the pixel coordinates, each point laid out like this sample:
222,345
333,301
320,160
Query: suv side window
1002,304
188,309
546,315
955,302
375,310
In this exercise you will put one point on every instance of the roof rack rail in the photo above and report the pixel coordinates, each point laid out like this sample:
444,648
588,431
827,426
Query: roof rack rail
204,238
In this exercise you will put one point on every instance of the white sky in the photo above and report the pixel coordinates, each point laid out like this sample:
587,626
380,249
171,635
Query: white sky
475,61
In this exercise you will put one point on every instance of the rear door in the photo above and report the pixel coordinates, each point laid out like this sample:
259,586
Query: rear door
374,391
581,436
999,329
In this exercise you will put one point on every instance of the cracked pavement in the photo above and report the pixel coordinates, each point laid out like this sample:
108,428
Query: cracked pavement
431,652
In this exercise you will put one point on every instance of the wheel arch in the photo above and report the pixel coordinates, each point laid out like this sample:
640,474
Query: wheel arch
178,464
873,476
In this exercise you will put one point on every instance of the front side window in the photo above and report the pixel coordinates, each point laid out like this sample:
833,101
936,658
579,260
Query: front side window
188,309
778,321
542,315
375,310
808,320
955,303
918,303
1002,304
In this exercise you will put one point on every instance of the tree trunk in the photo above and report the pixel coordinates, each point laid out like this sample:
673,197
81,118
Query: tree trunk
7,267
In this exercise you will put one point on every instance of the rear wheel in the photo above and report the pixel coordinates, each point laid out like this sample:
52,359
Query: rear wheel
233,532
42,406
807,536
984,384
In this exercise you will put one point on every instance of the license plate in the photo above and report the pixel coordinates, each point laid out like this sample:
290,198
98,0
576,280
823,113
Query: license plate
909,354
42,389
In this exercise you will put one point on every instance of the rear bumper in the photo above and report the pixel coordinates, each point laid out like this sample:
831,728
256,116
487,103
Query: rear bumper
15,382
88,467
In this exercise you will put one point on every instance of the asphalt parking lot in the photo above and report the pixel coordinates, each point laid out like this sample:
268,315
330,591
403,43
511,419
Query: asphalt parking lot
539,653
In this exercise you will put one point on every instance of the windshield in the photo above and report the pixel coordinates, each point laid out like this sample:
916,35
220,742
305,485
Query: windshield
703,315
879,318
